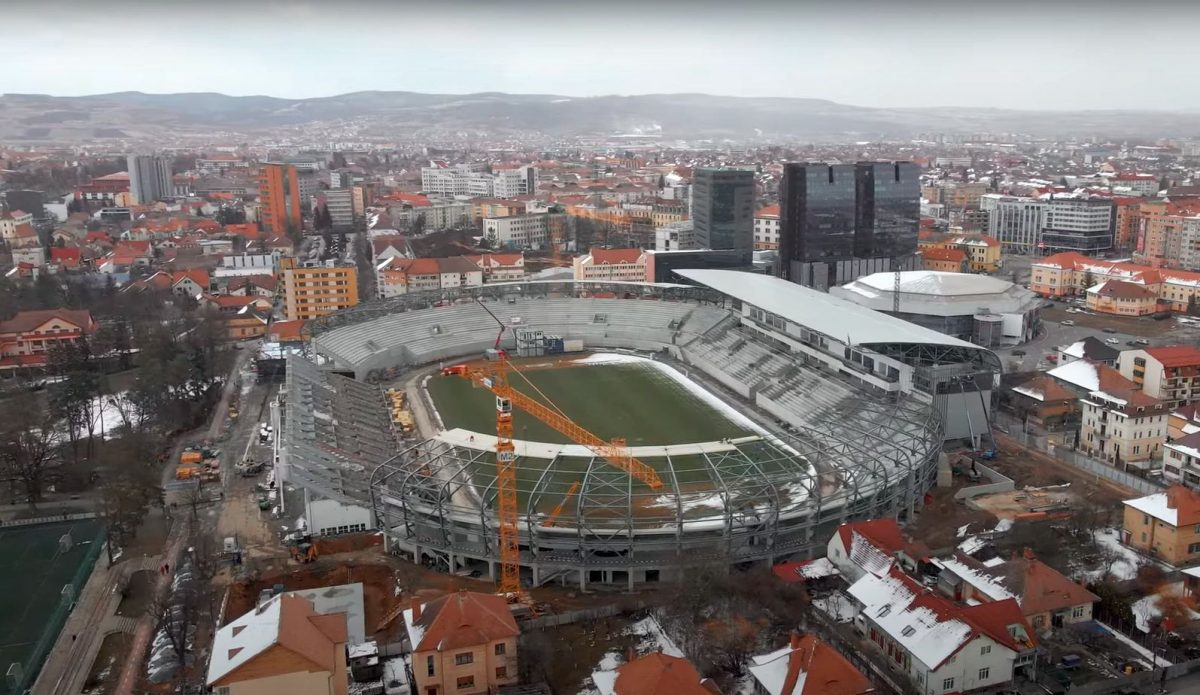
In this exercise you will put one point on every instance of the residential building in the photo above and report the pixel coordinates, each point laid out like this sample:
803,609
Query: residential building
871,547
1120,423
500,267
1126,223
446,215
723,208
667,211
1067,274
530,231
16,228
655,673
1043,403
279,194
943,260
311,291
339,204
457,180
1181,456
389,246
1170,374
841,222
27,339
1122,298
618,265
941,646
398,275
464,643
982,252
247,324
149,178
1082,225
1015,222
283,646
766,229
482,208
1091,349
1137,184
1165,525
807,666
1046,597
245,264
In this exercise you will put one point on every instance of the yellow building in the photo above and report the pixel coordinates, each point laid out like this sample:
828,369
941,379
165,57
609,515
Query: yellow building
1122,298
312,292
462,644
1165,525
982,251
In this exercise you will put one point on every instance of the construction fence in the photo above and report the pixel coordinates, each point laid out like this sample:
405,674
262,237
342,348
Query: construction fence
1100,469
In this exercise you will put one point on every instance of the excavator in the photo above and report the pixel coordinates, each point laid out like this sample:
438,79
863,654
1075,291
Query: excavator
493,376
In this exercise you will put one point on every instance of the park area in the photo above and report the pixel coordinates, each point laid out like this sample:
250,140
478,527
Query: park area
34,568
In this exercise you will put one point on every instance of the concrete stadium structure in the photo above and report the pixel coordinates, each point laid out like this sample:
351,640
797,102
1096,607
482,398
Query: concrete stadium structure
852,414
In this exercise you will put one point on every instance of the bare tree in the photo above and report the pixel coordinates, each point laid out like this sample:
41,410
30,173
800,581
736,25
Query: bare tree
29,444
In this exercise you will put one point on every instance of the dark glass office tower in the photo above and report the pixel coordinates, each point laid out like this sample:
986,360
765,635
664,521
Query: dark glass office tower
723,208
843,221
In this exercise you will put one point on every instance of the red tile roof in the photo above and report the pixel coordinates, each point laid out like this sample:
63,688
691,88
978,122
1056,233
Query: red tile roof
940,254
769,212
882,533
826,671
1119,289
659,674
69,257
464,619
1175,355
614,256
26,321
287,331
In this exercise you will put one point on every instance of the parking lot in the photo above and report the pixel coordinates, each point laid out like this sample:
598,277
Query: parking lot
1065,322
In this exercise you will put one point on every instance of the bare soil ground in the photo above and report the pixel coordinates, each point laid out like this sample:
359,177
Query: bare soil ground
942,515
1031,468
589,642
106,669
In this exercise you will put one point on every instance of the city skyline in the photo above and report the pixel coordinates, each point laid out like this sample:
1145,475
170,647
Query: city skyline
864,54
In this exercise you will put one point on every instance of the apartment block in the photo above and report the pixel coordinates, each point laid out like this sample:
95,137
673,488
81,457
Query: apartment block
312,291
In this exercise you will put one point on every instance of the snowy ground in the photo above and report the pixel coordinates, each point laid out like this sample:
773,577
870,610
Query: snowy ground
1145,653
107,414
837,606
1147,608
1127,560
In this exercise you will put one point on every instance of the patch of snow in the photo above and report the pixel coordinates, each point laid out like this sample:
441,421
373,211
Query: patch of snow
1147,608
962,531
610,661
1145,653
838,606
1003,526
972,545
653,638
1125,566
993,562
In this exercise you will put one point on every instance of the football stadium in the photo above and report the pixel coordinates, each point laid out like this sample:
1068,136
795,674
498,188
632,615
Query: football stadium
769,414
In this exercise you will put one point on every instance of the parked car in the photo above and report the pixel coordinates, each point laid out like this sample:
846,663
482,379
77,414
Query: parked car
1112,341
1068,322
1053,359
1109,330
1141,341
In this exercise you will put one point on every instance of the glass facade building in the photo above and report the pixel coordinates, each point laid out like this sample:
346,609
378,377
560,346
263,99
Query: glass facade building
841,221
723,208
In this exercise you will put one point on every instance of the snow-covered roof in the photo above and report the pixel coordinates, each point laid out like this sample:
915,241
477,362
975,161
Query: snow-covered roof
836,318
866,555
1156,506
934,282
985,584
889,602
818,568
771,670
1079,373
415,632
245,638
939,293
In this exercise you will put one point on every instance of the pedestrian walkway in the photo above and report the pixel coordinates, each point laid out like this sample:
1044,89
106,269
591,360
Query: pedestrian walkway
131,671
66,668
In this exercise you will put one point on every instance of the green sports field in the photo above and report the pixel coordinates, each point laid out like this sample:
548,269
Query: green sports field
32,574
634,401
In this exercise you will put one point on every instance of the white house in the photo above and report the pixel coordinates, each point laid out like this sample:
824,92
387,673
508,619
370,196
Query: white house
942,647
869,547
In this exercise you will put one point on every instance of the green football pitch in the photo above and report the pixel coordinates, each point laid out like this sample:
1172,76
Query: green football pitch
33,571
634,401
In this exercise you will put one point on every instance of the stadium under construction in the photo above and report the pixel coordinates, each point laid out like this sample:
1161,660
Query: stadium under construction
842,413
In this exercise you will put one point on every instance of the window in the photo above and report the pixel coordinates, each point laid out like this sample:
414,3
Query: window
908,630
1193,548
985,649
500,649
1077,612
223,690
429,665
464,659
948,684
983,673
501,672
466,682
1145,519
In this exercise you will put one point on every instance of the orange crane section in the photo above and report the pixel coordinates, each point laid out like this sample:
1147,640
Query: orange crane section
558,509
615,451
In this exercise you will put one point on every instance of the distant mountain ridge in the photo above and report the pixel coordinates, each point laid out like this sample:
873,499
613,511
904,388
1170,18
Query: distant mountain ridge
136,115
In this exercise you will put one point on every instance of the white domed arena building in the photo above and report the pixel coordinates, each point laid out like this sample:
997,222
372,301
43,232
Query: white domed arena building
770,414
980,309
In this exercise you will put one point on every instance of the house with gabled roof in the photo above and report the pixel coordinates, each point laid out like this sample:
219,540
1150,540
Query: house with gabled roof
942,646
655,673
807,666
1165,525
27,339
283,646
872,547
463,643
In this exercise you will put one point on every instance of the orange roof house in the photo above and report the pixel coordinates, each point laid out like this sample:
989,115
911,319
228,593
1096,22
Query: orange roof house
654,674
464,643
808,666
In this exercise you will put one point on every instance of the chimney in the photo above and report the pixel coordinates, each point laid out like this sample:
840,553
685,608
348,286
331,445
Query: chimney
1029,554
416,609
630,655
794,639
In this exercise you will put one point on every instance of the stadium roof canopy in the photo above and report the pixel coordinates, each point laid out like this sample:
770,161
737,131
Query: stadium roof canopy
836,318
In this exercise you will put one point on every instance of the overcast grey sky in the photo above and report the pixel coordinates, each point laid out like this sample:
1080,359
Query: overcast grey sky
1048,55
